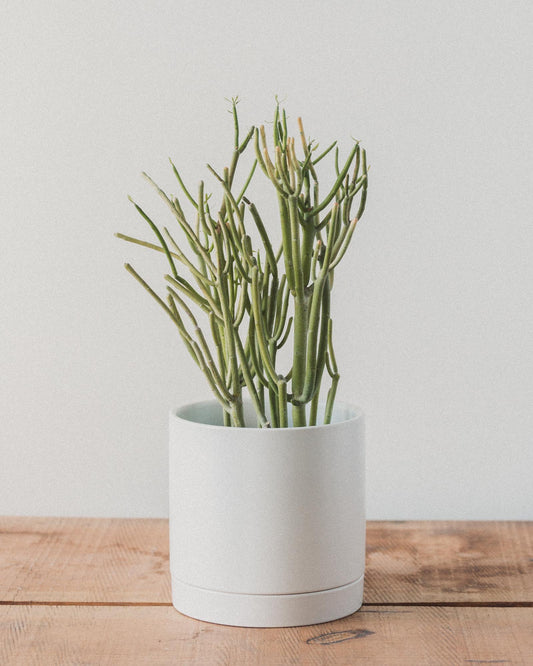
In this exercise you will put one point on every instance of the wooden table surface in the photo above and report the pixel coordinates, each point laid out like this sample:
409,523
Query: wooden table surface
82,591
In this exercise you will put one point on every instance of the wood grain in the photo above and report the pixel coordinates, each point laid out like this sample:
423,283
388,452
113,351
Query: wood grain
115,636
79,591
449,562
84,560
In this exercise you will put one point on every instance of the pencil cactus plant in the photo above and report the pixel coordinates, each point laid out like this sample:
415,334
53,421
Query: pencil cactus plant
254,298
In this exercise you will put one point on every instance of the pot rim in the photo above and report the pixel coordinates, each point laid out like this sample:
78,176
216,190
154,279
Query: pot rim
357,414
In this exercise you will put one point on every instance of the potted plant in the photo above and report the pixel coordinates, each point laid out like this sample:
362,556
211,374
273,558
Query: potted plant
267,521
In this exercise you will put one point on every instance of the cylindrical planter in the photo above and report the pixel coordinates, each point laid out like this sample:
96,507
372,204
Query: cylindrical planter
267,526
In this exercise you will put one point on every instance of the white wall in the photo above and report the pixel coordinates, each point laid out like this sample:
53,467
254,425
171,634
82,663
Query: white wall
435,297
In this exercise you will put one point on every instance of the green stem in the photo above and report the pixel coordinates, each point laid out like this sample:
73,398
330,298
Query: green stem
337,183
271,258
322,353
248,380
282,403
237,415
317,303
182,184
331,399
260,327
159,238
298,367
331,365
206,352
272,391
307,251
286,241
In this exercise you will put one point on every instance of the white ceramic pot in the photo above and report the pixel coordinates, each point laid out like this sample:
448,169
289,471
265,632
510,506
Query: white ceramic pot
267,526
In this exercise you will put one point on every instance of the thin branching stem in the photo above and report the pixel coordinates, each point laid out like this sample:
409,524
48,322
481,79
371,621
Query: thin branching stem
255,305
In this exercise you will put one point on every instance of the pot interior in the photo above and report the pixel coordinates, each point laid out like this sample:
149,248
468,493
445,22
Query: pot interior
210,413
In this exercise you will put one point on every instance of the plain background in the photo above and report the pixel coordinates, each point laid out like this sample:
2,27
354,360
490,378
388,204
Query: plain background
434,298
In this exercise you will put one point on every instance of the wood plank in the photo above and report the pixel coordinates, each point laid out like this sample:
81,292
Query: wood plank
126,561
88,635
449,561
84,560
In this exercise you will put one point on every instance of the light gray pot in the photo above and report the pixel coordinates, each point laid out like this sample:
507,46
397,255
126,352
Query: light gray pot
267,526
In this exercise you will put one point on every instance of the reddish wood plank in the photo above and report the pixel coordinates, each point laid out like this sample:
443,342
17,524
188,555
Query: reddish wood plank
449,561
126,561
84,560
115,636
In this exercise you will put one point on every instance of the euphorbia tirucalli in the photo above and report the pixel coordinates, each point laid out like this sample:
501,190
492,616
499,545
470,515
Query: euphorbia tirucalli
252,297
